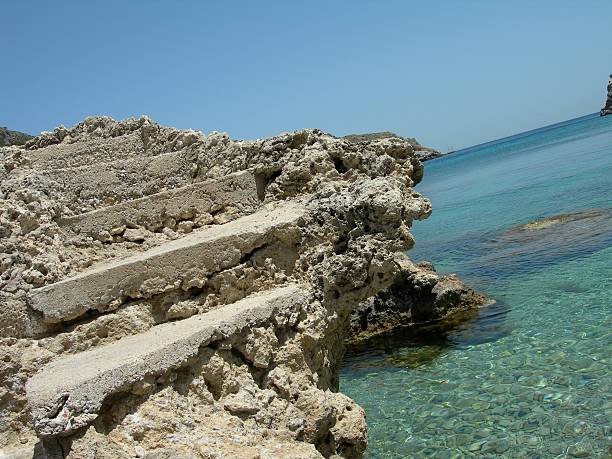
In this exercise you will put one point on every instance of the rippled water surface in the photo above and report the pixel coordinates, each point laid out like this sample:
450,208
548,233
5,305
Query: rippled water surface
531,375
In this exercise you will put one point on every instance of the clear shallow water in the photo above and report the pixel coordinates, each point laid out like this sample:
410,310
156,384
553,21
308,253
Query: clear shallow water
530,376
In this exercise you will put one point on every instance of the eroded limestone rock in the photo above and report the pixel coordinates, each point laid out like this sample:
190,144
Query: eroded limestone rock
421,152
112,234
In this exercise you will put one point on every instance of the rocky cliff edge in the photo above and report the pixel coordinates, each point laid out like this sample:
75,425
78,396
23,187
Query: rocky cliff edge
169,294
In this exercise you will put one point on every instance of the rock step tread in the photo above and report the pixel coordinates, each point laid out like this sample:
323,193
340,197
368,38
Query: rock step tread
68,393
181,263
82,153
120,164
130,177
237,190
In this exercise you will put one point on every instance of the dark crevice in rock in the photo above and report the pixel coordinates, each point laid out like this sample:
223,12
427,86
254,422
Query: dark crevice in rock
263,181
339,165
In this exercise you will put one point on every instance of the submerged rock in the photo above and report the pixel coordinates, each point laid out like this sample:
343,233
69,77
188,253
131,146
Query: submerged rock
581,228
558,219
607,110
539,243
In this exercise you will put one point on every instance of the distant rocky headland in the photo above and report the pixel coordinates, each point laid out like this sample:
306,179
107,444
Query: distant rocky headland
607,110
169,294
12,137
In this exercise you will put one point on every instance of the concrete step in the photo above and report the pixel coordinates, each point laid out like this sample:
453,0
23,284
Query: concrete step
183,263
238,190
91,151
68,393
125,179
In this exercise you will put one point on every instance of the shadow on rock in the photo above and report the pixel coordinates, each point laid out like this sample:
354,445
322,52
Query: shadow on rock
415,346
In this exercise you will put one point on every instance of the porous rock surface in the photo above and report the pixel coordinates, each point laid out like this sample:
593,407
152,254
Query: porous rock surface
169,294
422,152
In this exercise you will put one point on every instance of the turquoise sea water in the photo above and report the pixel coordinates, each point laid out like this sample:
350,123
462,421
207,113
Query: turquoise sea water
531,375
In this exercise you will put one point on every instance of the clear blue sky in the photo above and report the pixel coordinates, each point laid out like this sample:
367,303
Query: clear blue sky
451,73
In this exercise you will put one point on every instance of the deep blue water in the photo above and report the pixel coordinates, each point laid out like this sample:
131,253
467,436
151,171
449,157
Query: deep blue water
531,375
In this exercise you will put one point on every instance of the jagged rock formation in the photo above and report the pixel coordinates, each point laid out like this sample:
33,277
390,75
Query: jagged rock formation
421,152
418,295
607,110
167,294
12,137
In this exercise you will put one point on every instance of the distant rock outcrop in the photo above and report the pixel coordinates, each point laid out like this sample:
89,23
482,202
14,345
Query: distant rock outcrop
421,152
12,137
607,110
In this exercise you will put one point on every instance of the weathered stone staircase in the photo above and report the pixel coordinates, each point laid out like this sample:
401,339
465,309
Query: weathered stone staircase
226,223
180,264
68,393
196,202
170,295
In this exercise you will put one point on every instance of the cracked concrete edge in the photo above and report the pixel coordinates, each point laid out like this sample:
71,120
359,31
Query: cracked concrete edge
236,190
68,393
168,266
